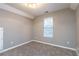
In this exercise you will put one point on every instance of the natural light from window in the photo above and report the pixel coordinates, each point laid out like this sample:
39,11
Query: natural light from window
48,27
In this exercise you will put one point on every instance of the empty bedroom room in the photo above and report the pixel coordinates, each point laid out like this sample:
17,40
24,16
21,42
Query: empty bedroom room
39,29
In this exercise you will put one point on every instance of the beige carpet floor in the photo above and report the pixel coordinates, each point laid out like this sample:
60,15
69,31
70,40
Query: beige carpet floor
38,49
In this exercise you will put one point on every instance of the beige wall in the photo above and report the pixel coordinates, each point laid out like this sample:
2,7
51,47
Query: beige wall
64,28
17,29
77,20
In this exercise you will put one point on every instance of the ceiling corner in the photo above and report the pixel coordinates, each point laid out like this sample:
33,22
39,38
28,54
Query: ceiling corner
14,10
74,6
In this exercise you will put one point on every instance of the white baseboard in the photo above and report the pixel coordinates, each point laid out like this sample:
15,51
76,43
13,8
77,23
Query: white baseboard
77,51
54,45
39,42
15,46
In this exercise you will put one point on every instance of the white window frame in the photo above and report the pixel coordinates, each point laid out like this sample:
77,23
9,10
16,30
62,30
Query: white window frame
48,24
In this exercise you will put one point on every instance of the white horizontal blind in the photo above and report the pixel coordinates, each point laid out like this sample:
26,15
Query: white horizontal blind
48,27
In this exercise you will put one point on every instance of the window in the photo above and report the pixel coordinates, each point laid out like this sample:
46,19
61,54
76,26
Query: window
48,27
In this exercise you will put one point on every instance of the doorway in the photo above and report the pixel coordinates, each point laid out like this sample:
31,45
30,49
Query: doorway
1,38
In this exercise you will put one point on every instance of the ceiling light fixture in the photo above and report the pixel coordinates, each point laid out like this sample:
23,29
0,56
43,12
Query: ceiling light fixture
32,5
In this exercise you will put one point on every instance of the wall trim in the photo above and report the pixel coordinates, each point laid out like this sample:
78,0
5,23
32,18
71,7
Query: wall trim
15,46
55,45
39,42
9,8
77,53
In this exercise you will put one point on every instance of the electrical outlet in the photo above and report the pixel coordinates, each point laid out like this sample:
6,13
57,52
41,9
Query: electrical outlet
12,43
68,43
